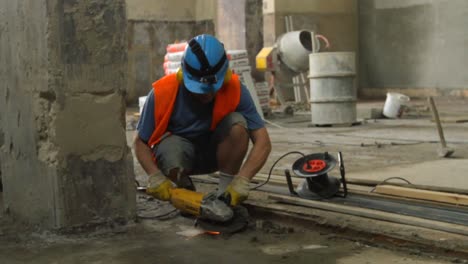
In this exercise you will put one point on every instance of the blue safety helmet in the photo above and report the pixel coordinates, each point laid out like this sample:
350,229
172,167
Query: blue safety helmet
204,64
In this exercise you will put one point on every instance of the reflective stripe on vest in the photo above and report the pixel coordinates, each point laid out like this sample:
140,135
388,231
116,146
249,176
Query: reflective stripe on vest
165,93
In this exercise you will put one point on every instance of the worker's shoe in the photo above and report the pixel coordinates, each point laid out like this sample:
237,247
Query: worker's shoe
237,191
185,182
159,186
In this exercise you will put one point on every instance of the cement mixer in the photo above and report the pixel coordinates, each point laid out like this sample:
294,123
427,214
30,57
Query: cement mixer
289,59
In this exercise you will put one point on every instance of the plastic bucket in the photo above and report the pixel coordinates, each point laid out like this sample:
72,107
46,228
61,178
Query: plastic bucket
141,102
394,105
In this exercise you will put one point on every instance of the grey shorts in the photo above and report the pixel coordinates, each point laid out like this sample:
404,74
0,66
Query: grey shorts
195,155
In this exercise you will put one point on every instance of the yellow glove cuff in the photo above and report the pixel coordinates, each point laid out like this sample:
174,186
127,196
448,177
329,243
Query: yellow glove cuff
162,191
238,190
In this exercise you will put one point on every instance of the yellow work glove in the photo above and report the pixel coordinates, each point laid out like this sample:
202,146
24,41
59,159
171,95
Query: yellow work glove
237,191
159,186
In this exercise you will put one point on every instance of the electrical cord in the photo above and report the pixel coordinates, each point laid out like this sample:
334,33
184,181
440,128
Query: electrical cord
274,164
391,178
159,217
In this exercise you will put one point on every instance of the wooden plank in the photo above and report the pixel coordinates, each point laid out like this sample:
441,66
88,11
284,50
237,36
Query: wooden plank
454,120
442,197
373,214
352,189
373,183
281,181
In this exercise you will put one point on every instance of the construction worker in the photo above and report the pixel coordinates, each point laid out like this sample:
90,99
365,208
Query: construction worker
199,121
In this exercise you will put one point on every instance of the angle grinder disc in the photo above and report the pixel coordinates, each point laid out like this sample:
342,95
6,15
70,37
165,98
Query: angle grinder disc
239,222
314,165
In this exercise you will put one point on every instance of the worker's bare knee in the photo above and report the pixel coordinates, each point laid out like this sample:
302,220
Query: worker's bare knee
239,133
233,127
174,155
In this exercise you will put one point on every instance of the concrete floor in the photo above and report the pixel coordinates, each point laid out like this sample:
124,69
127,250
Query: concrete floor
374,150
155,241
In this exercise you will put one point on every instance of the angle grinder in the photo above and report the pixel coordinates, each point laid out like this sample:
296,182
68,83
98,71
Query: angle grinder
213,213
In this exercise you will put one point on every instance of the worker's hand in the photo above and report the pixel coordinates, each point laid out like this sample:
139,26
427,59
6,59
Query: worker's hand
159,186
237,191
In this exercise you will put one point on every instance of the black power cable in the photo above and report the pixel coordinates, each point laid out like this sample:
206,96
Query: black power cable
274,164
161,216
388,179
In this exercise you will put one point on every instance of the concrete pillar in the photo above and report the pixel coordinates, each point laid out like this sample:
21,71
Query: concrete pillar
254,33
269,23
65,161
230,26
239,26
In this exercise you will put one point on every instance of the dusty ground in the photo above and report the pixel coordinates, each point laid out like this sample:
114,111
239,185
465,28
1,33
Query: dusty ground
375,146
155,241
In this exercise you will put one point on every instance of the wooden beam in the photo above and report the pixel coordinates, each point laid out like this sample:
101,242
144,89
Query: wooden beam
373,214
280,179
365,190
442,197
452,120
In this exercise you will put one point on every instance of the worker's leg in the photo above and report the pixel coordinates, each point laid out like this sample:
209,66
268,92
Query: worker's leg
232,143
224,150
175,157
232,139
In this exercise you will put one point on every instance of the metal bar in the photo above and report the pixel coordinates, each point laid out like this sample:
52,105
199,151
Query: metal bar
437,121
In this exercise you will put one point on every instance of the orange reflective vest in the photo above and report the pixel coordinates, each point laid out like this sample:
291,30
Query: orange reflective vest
165,93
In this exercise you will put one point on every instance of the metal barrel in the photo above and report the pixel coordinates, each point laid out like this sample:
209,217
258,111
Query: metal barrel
332,89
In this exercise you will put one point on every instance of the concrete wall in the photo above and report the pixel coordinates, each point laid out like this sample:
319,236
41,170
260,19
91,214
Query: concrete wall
316,6
417,47
205,9
173,10
63,64
151,26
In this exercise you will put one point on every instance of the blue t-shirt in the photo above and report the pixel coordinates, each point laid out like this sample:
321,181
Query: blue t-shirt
191,118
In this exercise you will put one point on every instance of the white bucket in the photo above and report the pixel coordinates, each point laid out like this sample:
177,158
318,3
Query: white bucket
141,102
394,105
